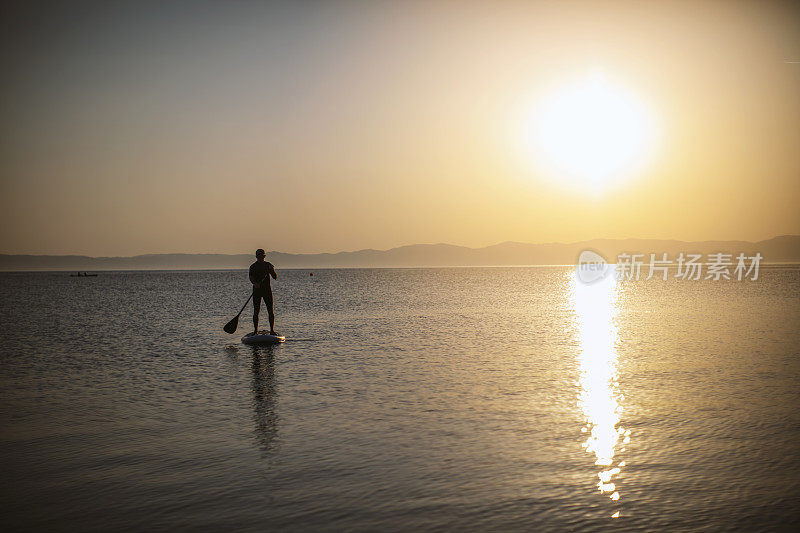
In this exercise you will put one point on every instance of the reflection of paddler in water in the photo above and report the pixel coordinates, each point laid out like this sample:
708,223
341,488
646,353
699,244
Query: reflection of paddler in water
264,397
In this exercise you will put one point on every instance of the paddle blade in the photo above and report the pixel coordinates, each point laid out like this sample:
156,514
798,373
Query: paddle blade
231,326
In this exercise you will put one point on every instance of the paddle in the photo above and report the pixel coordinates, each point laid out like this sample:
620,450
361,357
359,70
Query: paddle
231,326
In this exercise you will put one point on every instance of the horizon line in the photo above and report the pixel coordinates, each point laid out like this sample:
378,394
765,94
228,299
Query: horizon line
399,247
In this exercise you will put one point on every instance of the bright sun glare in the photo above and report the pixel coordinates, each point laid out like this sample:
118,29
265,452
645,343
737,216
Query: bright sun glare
590,133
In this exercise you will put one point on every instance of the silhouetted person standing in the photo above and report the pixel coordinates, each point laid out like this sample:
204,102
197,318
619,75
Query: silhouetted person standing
260,272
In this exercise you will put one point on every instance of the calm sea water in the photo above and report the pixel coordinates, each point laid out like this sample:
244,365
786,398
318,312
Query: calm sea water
409,399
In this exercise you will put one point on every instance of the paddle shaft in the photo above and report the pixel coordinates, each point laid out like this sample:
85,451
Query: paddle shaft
245,304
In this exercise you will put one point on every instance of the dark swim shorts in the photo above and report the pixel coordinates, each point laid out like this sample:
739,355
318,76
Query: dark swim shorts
258,295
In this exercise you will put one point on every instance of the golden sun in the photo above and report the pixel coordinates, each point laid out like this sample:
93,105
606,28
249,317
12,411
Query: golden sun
590,133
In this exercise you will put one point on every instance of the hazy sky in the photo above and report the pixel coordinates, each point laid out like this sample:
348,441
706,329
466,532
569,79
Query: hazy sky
324,126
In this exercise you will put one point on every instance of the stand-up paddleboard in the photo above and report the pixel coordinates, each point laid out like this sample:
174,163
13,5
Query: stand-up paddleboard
262,337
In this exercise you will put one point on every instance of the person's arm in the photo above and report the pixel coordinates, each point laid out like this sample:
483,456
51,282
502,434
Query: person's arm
272,271
256,282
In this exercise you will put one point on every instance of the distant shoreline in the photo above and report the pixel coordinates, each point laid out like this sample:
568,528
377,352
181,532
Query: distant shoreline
778,250
178,270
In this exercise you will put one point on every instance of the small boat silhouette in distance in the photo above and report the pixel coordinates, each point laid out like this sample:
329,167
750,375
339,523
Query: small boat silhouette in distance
83,275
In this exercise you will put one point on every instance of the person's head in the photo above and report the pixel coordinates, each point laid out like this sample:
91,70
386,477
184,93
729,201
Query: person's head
260,253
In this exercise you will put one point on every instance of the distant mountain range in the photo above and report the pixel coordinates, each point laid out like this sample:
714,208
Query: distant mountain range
784,249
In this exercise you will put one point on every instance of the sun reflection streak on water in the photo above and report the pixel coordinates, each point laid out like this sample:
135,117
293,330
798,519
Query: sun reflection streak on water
595,306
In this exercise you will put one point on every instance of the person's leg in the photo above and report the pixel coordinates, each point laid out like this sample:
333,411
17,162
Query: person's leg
268,301
256,309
